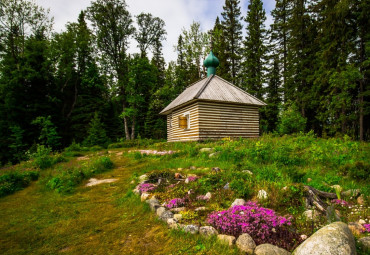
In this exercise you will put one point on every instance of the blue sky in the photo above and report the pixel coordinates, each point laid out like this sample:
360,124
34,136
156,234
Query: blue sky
177,14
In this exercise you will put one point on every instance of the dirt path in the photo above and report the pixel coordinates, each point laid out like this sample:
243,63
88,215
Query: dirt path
103,219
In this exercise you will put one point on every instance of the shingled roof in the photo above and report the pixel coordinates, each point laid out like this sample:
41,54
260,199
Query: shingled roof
212,88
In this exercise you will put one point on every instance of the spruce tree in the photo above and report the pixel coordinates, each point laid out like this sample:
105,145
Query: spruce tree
96,132
255,49
233,36
219,48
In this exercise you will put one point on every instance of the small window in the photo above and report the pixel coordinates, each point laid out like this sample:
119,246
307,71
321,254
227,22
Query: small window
184,121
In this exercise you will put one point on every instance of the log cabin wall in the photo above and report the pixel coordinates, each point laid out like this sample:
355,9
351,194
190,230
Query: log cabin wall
218,120
175,133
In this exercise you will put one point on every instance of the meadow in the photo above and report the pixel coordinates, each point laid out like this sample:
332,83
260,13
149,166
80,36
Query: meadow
46,208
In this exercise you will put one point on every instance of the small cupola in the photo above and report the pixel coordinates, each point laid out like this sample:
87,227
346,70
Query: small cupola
211,62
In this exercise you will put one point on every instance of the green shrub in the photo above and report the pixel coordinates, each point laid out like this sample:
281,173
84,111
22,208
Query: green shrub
42,157
73,147
291,121
14,181
101,165
359,170
241,188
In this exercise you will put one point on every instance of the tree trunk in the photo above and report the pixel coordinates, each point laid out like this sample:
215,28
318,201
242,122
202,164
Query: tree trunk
133,128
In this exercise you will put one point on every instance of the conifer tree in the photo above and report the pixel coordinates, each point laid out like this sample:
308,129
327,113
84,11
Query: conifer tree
233,36
96,132
219,47
255,49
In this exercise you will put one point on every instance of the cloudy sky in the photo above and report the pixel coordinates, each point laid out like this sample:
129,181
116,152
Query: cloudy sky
177,14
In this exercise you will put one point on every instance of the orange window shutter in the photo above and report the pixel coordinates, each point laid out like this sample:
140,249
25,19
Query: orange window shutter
183,122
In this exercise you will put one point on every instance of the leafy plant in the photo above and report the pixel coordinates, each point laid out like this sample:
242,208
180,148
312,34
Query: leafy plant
14,181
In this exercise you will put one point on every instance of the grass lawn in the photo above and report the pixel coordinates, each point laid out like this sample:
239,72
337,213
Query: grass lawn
103,219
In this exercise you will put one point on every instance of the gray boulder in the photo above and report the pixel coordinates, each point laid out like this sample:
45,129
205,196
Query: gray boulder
192,229
333,239
365,242
246,243
269,249
160,210
207,231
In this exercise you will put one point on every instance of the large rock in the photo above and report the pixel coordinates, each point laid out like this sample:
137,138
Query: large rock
333,239
143,178
230,240
160,210
246,243
177,217
269,249
365,242
238,201
192,229
144,196
207,231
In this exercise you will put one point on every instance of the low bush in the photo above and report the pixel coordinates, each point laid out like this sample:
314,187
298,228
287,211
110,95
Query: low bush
68,179
42,157
14,181
359,170
262,224
241,188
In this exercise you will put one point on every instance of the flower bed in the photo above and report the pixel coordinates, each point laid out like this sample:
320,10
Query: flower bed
262,224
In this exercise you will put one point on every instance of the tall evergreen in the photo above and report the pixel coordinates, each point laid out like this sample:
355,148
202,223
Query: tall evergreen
219,48
233,36
255,49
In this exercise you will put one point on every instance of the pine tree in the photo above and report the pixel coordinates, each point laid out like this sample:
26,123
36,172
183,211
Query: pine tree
96,133
219,49
255,49
233,35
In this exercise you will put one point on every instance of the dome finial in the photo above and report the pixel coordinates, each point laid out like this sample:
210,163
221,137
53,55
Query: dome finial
211,62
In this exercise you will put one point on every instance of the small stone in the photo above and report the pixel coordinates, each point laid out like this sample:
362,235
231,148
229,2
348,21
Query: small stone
355,228
311,215
361,221
227,186
285,188
171,221
132,182
309,180
245,243
303,237
143,178
144,196
178,209
361,200
216,169
202,208
193,168
238,201
206,150
230,240
351,192
166,215
160,210
153,203
178,176
248,172
192,229
269,249
365,242
207,231
136,190
177,216
214,154
176,226
179,169
208,195
262,195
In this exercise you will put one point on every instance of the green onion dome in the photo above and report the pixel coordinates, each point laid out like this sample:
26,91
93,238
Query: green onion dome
211,62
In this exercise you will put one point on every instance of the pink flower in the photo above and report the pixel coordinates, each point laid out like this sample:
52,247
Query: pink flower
146,187
176,202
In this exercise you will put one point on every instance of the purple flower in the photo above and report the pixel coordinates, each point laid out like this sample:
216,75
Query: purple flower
192,178
146,187
176,202
263,224
366,228
340,202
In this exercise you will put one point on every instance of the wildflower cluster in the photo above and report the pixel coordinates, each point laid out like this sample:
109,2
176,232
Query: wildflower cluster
192,178
146,187
340,202
262,224
176,202
366,228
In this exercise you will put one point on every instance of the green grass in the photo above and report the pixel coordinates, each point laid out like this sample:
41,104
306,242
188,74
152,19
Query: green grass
110,219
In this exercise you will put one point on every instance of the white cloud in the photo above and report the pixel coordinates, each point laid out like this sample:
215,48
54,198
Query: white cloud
177,14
